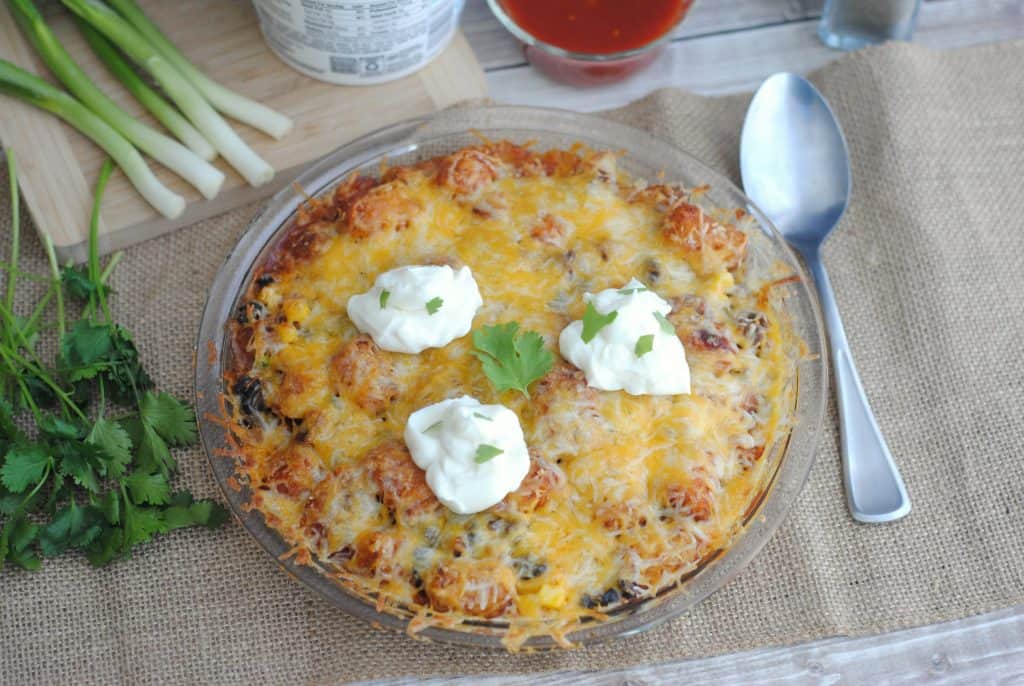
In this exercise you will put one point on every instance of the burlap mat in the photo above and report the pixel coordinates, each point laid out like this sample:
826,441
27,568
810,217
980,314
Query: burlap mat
929,275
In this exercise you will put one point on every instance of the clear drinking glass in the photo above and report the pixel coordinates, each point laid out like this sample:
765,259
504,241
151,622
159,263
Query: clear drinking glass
852,24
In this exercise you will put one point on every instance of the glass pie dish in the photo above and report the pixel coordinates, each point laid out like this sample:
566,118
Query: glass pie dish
787,460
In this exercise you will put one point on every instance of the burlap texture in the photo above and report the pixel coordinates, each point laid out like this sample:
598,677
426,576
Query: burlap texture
929,275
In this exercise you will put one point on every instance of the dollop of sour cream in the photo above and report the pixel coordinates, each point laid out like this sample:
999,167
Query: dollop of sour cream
410,309
638,351
474,454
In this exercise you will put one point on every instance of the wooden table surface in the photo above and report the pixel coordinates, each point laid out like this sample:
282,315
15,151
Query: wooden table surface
727,46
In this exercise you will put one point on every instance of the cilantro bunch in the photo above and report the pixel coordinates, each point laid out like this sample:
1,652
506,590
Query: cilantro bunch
93,473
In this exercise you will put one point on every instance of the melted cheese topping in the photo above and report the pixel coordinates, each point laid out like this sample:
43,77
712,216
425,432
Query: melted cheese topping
625,493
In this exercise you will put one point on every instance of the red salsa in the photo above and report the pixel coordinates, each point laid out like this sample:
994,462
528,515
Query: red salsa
596,26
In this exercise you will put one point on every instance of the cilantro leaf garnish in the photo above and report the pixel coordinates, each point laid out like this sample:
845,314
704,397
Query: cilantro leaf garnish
486,452
511,360
114,443
79,462
174,421
148,488
85,350
644,345
594,321
78,284
384,295
666,325
23,465
433,305
85,461
71,527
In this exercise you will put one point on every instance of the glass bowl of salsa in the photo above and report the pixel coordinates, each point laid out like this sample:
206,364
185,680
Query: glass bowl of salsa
590,42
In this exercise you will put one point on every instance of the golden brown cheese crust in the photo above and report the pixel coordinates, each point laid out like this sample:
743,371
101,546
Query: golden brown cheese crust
624,493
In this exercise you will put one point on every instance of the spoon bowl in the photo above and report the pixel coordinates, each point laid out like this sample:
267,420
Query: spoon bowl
794,159
796,167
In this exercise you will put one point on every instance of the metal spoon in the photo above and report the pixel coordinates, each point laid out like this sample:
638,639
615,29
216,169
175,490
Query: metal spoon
796,168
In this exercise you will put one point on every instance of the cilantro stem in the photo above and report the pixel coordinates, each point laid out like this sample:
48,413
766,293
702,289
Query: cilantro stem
114,259
25,394
126,518
12,269
38,369
94,235
103,400
30,325
55,271
42,480
20,510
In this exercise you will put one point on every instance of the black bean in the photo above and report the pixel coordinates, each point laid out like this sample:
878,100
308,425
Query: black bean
588,601
653,271
528,569
609,597
416,580
500,525
264,281
250,395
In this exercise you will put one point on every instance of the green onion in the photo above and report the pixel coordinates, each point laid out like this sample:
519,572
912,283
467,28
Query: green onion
164,150
644,345
162,110
239,155
665,324
227,101
486,453
33,90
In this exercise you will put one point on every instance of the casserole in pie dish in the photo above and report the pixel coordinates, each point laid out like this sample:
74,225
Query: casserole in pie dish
630,501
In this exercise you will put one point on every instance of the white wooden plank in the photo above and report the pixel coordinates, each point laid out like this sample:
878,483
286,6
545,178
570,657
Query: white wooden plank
739,61
987,649
497,48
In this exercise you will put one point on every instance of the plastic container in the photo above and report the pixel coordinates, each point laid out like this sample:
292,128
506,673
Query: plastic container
358,42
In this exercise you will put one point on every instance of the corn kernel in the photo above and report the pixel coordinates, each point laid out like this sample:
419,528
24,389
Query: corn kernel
296,310
552,597
721,283
528,606
286,333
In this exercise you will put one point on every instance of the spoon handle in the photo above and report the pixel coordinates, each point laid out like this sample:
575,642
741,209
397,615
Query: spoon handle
874,488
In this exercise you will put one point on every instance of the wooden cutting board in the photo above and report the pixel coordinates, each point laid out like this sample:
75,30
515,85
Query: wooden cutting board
57,166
